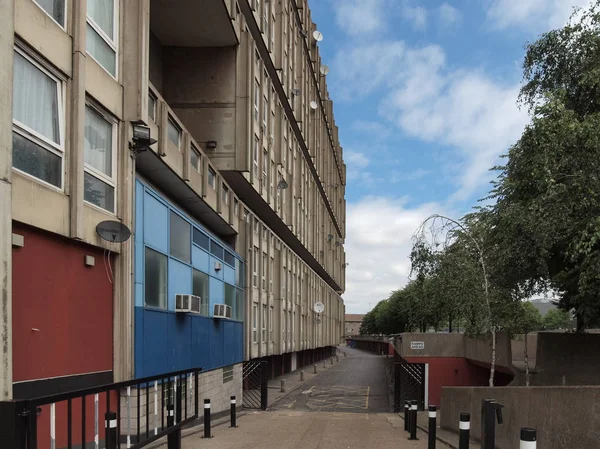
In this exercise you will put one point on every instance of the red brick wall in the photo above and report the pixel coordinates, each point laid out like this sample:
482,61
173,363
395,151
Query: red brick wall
70,304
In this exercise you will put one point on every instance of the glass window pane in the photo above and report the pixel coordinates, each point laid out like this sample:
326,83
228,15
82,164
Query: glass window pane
239,305
180,236
56,9
101,51
216,250
103,13
155,279
230,296
151,107
195,159
37,161
35,99
200,239
200,288
211,177
98,192
229,258
239,273
98,141
174,133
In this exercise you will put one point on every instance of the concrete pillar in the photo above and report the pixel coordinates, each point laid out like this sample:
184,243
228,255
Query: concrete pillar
136,43
7,11
77,112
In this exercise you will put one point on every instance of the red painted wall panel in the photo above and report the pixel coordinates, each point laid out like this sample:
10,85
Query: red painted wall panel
450,372
70,304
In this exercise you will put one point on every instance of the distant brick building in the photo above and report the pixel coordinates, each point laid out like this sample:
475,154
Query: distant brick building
353,322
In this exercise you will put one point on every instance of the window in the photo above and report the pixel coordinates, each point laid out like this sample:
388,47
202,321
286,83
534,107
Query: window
270,323
179,238
239,304
256,225
151,106
264,271
38,108
155,279
265,112
255,157
255,267
273,35
230,297
229,259
236,207
101,41
264,323
99,141
254,323
265,168
55,8
174,132
200,289
272,126
271,275
195,159
256,99
225,194
227,374
283,289
211,177
201,239
216,250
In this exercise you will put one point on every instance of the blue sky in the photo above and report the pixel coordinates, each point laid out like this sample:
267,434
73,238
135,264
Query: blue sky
425,97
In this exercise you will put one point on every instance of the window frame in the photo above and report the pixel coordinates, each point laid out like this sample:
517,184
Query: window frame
255,152
212,173
112,44
264,271
263,326
114,166
225,194
194,151
154,99
255,267
171,121
256,100
58,149
254,323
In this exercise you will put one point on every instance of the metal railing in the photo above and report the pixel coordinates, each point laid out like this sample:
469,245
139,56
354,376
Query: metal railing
134,413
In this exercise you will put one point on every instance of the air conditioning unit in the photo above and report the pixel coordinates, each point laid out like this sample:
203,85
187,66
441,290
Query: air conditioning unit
222,311
187,303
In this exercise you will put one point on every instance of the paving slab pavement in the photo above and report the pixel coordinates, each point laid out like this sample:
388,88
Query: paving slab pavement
291,429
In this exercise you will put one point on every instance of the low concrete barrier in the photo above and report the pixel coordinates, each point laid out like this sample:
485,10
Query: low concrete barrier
565,417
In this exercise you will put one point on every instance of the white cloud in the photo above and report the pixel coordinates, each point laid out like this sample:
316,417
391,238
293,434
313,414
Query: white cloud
464,109
360,16
356,160
532,15
417,15
379,239
449,15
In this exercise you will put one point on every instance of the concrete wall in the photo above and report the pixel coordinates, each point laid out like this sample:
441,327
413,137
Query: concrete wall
435,345
518,348
565,417
479,350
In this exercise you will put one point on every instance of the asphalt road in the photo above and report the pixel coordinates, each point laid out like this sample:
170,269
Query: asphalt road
356,384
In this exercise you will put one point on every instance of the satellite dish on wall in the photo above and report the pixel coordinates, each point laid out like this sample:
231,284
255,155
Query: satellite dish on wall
324,70
319,307
313,105
318,35
113,231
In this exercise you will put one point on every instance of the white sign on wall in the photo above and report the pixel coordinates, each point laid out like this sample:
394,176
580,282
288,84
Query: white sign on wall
417,345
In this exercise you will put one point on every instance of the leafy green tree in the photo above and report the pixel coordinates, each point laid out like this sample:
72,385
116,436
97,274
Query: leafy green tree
528,319
545,225
557,319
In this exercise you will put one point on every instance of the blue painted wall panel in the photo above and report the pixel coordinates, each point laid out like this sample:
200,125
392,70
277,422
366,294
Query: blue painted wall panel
180,281
139,294
217,343
216,273
200,259
139,212
156,224
179,332
156,346
139,347
228,275
200,351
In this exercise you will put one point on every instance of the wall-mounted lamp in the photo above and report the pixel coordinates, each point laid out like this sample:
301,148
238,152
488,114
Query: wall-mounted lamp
210,144
141,140
330,237
282,184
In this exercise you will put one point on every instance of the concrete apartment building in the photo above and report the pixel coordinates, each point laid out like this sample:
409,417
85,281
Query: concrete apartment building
353,322
240,201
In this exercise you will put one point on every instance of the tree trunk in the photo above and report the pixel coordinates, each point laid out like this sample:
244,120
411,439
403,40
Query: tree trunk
450,323
580,323
493,364
526,363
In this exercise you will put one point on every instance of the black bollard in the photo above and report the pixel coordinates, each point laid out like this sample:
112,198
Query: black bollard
432,426
406,412
111,430
207,418
528,438
464,427
233,411
413,421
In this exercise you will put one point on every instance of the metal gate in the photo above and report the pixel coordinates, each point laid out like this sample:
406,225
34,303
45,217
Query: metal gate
409,384
254,378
